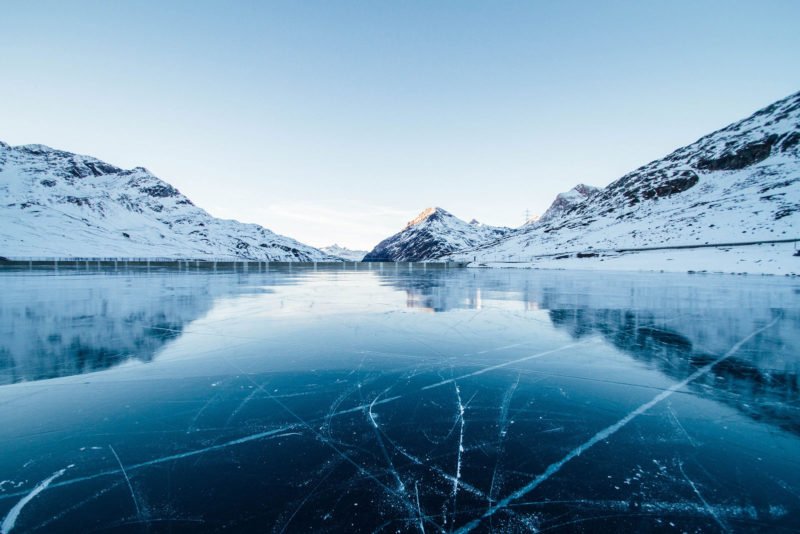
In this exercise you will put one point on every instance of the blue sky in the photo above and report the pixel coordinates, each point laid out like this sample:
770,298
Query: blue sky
338,121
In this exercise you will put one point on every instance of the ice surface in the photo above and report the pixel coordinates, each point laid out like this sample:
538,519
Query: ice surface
331,399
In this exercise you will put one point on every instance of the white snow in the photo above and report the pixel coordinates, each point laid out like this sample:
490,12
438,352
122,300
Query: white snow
702,194
565,201
56,204
432,234
772,259
344,252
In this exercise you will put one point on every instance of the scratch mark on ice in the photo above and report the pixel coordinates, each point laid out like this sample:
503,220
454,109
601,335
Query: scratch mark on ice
400,486
76,506
277,433
506,364
707,506
402,497
331,469
610,430
128,481
460,448
497,349
503,430
241,406
681,427
11,518
419,509
460,440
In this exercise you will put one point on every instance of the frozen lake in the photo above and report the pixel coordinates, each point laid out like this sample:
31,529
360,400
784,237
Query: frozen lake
397,399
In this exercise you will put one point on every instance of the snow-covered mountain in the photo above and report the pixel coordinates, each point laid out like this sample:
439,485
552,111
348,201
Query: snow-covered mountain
738,184
566,201
344,252
433,234
59,204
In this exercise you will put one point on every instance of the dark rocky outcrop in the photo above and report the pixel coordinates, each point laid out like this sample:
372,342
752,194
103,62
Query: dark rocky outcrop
747,155
160,191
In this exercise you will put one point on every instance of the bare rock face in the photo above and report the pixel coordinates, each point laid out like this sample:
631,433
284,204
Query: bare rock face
59,204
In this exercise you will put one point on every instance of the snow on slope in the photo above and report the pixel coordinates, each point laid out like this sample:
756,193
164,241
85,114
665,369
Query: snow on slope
738,184
344,252
766,258
566,201
59,204
432,235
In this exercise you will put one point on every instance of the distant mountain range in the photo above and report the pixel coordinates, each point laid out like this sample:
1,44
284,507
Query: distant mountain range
344,253
740,184
59,204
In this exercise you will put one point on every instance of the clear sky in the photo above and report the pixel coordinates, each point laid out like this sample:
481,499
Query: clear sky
338,121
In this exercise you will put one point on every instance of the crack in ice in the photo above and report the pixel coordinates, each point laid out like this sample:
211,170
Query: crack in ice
419,509
460,450
609,431
707,506
503,430
276,433
128,481
507,363
376,428
13,514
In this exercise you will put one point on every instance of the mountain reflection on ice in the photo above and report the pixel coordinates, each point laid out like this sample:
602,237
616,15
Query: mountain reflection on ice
53,326
321,399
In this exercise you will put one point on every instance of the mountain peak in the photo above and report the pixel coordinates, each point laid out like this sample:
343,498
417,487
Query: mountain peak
446,233
577,194
585,190
565,202
428,214
36,148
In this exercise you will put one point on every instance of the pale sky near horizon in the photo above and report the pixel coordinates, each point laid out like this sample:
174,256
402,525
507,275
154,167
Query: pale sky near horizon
339,121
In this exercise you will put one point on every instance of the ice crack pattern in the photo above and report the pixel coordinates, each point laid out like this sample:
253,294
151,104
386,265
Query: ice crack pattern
555,400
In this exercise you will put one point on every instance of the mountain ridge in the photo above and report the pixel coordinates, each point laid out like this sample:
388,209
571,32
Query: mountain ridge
432,234
738,183
344,253
61,204
566,201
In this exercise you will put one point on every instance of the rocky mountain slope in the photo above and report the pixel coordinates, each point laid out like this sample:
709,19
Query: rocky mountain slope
738,184
344,252
565,202
433,234
59,204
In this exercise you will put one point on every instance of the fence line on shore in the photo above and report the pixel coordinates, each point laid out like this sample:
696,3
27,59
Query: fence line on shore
590,252
211,265
462,259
